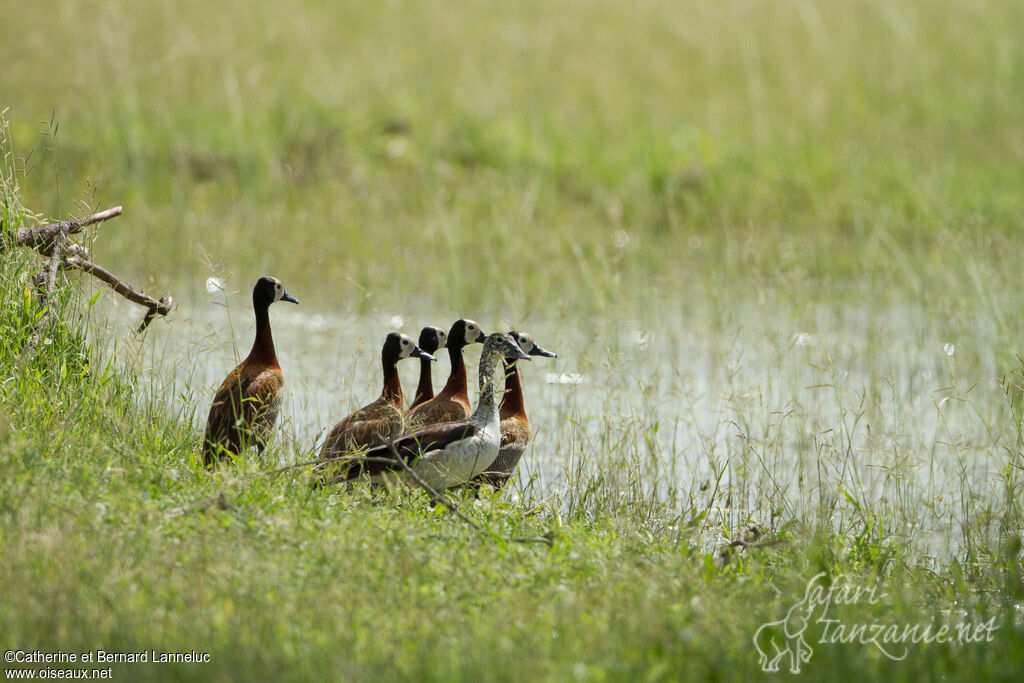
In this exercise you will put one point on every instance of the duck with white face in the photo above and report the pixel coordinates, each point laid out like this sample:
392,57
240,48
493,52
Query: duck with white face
431,339
380,420
450,454
515,426
452,402
248,401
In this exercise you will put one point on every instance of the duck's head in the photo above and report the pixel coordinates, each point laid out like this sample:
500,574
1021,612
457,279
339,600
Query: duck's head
529,346
268,290
398,346
500,345
465,332
432,339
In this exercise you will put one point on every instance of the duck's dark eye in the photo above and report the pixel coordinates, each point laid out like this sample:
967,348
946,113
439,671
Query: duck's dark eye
405,342
470,327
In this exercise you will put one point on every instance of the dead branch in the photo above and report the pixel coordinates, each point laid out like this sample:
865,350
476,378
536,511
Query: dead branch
51,240
41,237
161,306
47,282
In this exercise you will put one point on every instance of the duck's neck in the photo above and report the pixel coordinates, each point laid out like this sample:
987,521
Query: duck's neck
263,346
425,388
487,405
512,400
392,392
456,385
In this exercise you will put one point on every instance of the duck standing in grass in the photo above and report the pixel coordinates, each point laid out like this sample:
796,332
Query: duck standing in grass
452,402
452,453
431,339
246,406
381,420
515,427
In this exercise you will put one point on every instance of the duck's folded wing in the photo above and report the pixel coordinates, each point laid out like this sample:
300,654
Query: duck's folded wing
262,391
354,434
409,448
223,411
439,410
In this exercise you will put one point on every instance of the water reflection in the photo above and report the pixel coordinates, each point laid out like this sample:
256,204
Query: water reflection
753,421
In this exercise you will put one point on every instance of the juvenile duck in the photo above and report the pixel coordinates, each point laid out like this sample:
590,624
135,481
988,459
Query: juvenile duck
452,402
246,405
374,423
515,427
450,454
431,339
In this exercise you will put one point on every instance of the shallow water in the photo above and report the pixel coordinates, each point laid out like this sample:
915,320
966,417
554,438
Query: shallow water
751,414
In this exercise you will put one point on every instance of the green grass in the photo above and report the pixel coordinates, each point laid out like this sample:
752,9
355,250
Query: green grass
753,226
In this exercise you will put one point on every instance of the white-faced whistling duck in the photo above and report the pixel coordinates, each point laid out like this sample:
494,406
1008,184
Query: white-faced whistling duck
246,405
452,402
515,427
431,339
381,420
452,453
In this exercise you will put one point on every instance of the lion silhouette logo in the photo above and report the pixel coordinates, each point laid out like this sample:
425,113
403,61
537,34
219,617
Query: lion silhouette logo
775,639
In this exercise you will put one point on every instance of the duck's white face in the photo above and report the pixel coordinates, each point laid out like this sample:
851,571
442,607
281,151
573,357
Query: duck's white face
525,342
472,331
278,290
406,347
442,338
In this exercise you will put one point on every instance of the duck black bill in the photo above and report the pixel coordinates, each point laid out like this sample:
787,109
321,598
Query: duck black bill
516,354
537,351
420,353
480,337
289,298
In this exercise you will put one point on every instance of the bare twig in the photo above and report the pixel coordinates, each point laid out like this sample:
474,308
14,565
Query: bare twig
50,240
156,307
318,461
47,282
41,237
56,254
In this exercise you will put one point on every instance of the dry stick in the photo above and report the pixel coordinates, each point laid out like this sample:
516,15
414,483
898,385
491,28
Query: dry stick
318,461
41,237
50,240
156,307
49,277
434,495
56,254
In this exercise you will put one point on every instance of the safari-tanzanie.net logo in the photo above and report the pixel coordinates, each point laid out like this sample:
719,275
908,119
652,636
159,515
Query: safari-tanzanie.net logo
786,641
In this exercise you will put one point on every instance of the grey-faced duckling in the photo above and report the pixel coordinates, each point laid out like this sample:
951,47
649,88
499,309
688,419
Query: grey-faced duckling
515,426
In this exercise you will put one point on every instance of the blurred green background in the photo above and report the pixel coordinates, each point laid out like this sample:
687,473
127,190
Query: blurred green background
514,157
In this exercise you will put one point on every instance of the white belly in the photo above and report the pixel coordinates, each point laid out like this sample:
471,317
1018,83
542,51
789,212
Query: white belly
460,462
